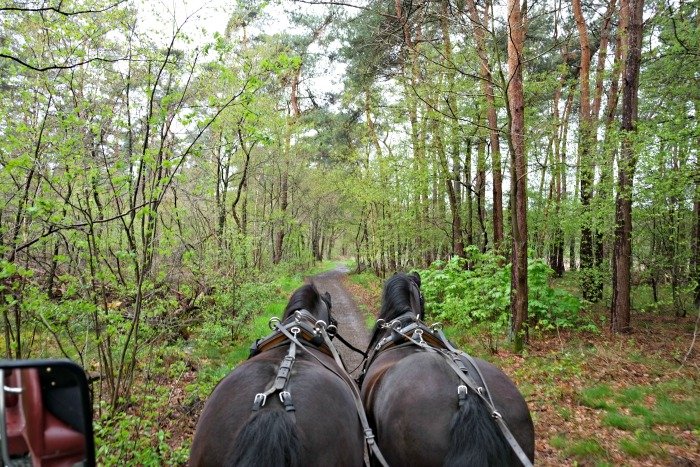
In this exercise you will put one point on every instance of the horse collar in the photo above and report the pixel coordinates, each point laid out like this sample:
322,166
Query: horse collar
302,324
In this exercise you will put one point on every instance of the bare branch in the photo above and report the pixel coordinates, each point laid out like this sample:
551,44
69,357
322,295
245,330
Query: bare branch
57,9
61,67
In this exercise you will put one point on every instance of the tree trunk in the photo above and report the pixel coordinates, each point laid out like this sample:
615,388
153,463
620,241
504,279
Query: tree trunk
480,25
284,181
590,281
468,192
481,192
516,107
603,189
622,258
450,183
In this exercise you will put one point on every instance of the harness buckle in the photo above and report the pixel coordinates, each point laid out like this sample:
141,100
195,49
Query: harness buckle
369,436
418,332
259,401
319,325
284,395
462,395
496,414
436,327
286,400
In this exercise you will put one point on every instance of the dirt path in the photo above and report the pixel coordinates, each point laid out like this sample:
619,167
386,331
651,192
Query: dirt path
351,323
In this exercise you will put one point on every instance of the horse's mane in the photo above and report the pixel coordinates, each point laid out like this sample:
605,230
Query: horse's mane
396,295
396,299
306,297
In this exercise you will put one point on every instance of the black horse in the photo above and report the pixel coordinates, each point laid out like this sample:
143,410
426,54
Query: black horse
422,412
274,410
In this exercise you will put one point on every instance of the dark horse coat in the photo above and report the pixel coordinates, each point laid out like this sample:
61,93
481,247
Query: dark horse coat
411,399
324,429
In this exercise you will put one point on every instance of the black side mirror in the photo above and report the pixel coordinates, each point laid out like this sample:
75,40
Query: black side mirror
45,414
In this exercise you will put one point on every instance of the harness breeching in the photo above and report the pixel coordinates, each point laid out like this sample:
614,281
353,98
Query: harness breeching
432,339
305,328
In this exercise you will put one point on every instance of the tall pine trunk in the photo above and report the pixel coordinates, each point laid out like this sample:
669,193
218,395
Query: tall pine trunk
516,105
622,254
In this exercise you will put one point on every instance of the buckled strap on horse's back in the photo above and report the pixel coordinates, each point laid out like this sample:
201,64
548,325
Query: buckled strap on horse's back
280,383
285,369
462,391
286,399
369,435
452,355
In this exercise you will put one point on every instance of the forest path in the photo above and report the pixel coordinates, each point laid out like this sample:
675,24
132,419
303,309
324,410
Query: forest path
351,322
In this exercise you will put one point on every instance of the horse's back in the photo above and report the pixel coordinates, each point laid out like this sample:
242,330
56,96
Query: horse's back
412,398
324,416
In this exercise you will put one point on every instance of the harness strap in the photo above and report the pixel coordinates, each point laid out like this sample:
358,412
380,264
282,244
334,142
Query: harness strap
350,346
494,413
471,384
282,377
469,358
280,383
369,435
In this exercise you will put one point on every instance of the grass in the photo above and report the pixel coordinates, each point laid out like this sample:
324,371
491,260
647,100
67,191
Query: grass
638,446
622,421
596,397
366,279
586,449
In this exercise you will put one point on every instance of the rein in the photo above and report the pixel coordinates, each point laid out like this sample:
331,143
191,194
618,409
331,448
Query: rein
432,339
350,346
318,332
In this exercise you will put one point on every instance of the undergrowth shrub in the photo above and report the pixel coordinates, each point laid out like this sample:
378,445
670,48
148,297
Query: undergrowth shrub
474,293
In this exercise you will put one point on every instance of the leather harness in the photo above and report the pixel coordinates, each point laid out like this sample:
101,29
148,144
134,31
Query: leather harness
432,339
302,326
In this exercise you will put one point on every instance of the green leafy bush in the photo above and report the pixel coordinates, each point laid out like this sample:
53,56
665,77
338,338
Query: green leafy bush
474,292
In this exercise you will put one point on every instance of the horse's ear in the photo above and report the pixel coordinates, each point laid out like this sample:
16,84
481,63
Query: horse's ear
415,277
326,298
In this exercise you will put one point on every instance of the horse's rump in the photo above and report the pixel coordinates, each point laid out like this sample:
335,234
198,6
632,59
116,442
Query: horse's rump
326,423
412,398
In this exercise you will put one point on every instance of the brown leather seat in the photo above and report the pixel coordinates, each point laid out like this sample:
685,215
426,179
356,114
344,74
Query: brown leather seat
14,420
51,441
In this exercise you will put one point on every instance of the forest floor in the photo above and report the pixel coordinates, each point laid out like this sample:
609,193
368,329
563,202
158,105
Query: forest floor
596,399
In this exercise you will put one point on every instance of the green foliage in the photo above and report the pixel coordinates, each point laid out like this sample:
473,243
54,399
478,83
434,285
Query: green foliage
367,280
125,438
474,292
